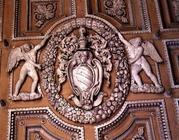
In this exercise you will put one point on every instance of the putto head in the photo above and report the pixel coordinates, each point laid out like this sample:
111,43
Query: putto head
136,41
26,47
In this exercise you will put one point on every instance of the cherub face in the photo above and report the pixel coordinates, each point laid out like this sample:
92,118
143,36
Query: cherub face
26,47
138,42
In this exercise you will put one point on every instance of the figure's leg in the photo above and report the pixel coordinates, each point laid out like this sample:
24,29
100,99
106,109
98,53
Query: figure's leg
146,67
34,76
135,69
19,83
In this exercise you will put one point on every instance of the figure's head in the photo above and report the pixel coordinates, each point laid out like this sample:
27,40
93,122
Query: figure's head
26,47
136,41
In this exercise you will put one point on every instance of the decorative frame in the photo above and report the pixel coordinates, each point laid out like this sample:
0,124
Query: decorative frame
16,19
29,9
145,15
1,18
40,129
157,105
177,108
42,112
159,16
148,126
175,44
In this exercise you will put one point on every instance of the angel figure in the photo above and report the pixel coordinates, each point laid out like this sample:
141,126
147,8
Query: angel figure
136,49
27,52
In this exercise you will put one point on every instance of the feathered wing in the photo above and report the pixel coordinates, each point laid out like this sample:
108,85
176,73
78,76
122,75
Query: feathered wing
150,50
14,57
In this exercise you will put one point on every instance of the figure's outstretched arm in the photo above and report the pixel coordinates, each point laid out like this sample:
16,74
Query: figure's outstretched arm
124,40
42,43
34,64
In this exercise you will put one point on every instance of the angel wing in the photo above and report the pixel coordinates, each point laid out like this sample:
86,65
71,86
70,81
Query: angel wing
150,50
15,56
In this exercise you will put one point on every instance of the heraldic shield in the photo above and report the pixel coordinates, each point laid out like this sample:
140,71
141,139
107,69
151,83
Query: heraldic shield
85,74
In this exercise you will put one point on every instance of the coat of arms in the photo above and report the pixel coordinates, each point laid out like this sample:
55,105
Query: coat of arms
85,74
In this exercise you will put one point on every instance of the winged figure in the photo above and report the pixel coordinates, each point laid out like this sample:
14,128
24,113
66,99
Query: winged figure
136,50
28,53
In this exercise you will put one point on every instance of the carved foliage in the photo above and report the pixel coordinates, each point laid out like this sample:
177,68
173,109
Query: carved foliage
38,137
31,17
68,46
44,12
103,54
116,8
139,135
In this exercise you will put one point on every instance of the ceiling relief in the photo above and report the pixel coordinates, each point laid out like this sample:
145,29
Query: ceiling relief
137,50
44,12
84,53
116,8
33,22
139,135
95,70
122,14
28,53
85,74
130,113
86,63
43,117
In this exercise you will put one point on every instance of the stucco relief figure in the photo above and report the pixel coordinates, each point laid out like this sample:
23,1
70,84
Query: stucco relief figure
85,74
136,50
28,53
